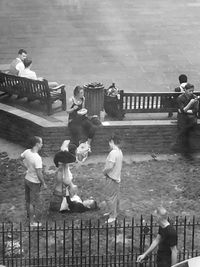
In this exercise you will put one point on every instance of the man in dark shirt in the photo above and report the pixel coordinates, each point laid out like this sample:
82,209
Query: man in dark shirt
166,240
188,106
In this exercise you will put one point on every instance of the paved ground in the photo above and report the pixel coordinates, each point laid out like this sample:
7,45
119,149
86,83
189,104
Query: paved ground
142,45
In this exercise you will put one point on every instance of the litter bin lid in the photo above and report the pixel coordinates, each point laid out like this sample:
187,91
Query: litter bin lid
93,86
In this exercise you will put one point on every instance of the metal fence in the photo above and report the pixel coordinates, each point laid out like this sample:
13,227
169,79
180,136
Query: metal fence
90,243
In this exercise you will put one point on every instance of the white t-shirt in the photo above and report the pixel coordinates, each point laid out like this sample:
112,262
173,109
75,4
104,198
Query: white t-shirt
116,157
27,73
20,65
32,161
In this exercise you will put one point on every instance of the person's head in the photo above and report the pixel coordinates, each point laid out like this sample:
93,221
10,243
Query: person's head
78,92
27,62
65,157
161,214
189,89
90,203
114,140
36,142
182,78
22,54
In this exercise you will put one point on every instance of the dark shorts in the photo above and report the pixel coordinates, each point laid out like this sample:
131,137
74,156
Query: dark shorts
32,192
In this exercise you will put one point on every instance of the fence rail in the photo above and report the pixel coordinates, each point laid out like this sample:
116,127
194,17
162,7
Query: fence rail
90,243
149,102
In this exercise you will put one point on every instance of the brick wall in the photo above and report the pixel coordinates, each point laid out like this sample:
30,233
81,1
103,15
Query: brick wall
138,136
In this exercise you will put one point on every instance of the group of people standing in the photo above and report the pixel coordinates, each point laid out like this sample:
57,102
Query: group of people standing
65,193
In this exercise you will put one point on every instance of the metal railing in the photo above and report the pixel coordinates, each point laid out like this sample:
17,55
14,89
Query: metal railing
149,101
90,243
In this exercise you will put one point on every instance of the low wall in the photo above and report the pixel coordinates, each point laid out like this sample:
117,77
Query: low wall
145,136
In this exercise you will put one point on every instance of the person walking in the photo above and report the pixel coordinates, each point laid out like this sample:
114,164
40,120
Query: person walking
112,172
166,241
34,178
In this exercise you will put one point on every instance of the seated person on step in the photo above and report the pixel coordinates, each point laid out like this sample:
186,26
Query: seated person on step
28,73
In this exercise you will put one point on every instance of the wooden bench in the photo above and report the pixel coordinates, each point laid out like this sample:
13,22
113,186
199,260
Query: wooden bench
32,90
147,102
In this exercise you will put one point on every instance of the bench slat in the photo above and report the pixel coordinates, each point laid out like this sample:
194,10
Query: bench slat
32,89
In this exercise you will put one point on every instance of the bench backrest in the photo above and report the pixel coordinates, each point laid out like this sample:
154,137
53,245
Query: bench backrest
149,102
23,86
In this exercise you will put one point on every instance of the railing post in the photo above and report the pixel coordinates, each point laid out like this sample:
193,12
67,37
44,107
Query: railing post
64,243
193,227
47,254
90,243
3,242
141,235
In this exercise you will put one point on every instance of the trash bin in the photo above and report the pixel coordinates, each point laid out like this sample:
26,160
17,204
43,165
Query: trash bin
94,98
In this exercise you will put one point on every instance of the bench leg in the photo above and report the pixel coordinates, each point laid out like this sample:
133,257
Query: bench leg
49,108
64,104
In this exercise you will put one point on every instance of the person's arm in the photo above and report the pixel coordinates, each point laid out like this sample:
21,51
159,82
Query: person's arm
153,245
83,104
109,166
20,67
174,253
110,162
40,177
73,205
70,110
185,108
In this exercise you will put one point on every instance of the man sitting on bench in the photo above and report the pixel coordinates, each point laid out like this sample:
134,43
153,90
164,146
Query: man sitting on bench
28,73
17,64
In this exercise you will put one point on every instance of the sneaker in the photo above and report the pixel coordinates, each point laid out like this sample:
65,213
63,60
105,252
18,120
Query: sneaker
35,224
111,220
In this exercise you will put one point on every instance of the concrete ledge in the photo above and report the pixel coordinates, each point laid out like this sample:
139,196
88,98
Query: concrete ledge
141,136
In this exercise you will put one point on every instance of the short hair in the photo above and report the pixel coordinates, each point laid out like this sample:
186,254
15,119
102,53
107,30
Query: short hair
77,90
64,157
115,137
27,62
162,212
182,78
21,51
94,205
189,86
34,140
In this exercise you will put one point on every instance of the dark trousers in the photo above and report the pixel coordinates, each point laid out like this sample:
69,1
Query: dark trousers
185,128
80,130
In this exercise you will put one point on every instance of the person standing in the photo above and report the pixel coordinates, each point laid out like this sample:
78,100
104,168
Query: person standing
188,106
34,177
17,64
166,241
112,172
183,81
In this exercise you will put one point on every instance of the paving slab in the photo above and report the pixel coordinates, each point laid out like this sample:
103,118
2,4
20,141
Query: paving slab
141,45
